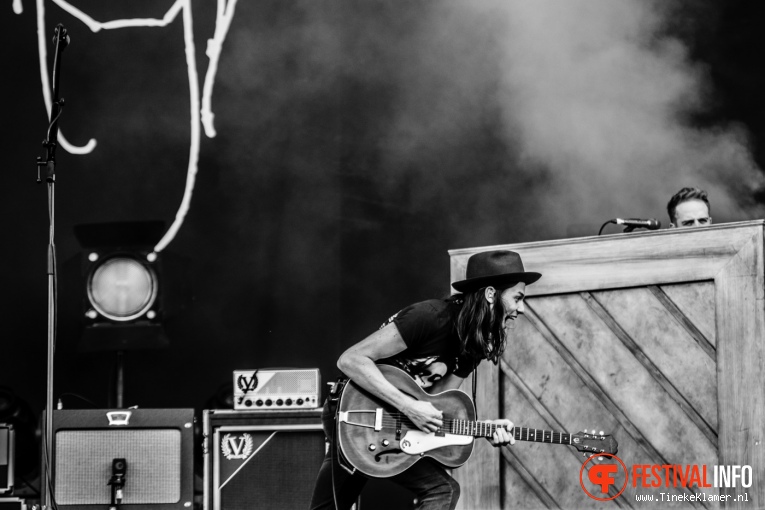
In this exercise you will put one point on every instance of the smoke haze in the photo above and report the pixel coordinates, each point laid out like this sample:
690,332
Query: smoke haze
356,143
594,99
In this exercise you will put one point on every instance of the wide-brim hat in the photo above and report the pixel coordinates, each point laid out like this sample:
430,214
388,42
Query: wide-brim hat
498,268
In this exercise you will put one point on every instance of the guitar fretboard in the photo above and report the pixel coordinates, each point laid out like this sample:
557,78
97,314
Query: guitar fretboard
483,429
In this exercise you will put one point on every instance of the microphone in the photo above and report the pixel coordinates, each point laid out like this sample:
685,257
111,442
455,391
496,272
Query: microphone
650,224
60,36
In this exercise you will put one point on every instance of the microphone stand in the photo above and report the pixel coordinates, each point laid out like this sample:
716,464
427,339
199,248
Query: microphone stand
61,40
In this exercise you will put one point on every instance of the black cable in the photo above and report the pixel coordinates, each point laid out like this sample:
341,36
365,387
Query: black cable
53,274
53,122
29,485
333,457
47,474
79,397
606,223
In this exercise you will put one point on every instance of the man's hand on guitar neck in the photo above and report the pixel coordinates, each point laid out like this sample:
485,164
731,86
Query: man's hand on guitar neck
502,436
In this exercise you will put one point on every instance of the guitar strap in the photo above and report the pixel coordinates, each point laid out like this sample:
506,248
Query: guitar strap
335,452
334,401
475,382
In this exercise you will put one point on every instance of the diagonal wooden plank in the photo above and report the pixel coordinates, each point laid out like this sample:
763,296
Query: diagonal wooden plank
592,385
550,420
514,491
696,300
684,321
539,491
652,369
612,407
668,345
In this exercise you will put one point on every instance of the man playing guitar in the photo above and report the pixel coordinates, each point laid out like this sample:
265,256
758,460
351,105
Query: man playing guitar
438,342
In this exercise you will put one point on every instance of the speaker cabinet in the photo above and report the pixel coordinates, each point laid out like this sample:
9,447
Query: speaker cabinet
7,458
12,504
155,444
261,459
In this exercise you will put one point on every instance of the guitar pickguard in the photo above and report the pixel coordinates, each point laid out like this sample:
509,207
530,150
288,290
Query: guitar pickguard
415,442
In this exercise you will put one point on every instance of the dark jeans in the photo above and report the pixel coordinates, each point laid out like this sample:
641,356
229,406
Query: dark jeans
431,484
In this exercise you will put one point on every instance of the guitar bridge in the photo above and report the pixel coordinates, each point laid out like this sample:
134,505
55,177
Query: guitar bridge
343,416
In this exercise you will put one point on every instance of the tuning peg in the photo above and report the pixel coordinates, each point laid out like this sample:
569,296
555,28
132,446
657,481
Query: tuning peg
593,432
600,459
601,432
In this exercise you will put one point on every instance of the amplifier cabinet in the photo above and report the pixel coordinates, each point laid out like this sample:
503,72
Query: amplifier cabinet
155,444
12,504
7,457
265,460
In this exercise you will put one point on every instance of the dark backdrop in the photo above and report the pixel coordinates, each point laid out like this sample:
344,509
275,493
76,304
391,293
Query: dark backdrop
356,143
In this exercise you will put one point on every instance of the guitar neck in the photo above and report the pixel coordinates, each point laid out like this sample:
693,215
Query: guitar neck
483,429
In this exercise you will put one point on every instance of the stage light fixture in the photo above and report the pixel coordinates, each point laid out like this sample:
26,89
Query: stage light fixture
123,286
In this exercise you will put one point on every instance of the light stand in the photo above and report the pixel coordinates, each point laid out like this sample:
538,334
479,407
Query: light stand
117,398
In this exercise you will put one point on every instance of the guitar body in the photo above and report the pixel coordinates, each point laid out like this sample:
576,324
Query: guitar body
379,441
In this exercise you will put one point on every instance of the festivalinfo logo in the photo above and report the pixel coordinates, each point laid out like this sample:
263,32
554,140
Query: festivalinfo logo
600,477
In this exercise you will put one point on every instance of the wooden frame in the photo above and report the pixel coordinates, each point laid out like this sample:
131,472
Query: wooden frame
730,255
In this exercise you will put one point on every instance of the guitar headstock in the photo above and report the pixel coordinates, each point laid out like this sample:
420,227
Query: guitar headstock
594,443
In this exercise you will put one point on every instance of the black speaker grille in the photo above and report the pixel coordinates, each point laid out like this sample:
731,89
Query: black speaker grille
83,465
280,476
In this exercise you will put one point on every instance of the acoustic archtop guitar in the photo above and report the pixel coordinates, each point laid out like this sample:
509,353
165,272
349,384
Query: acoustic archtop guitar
380,441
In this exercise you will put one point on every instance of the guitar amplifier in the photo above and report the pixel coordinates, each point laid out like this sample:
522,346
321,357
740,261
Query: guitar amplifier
154,446
261,460
277,389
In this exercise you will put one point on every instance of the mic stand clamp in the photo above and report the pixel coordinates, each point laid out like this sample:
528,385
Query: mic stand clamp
117,483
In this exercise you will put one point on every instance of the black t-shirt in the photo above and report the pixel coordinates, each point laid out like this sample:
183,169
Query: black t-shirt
433,346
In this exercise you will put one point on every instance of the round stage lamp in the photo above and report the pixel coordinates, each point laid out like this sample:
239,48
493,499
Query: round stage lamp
122,289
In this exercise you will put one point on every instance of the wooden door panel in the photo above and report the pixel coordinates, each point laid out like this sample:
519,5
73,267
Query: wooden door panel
668,347
626,381
566,398
655,337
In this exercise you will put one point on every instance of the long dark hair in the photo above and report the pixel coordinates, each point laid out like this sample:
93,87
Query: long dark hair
481,326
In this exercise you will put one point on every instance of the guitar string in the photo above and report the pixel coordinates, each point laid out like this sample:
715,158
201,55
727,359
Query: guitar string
464,423
479,427
392,418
